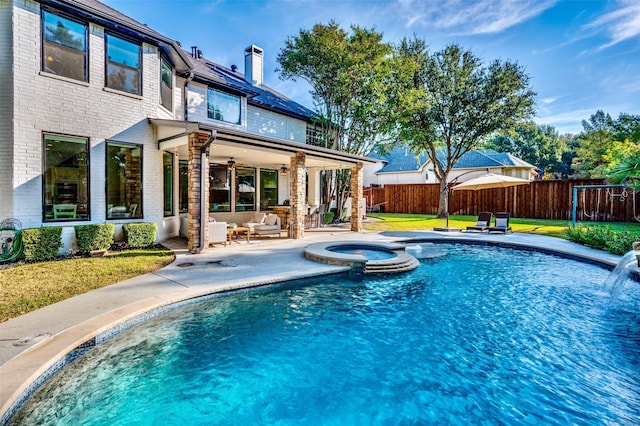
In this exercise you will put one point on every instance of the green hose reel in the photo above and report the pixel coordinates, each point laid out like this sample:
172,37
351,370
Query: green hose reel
10,243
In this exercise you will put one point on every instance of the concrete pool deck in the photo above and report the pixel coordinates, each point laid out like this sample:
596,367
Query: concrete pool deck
31,343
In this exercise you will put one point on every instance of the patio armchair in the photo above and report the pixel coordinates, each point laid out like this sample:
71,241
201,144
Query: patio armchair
501,223
271,226
218,232
483,223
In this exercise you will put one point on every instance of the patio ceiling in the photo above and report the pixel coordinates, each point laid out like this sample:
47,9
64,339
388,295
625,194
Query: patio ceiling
250,149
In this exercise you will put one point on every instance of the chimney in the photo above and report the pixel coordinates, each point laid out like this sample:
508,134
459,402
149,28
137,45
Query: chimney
194,51
253,65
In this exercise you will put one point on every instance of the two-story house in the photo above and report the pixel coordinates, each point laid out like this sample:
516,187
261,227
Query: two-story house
103,119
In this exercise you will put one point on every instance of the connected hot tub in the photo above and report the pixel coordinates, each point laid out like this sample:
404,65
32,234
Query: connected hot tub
376,257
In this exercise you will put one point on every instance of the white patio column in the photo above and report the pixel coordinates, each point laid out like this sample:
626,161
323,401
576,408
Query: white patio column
313,190
357,177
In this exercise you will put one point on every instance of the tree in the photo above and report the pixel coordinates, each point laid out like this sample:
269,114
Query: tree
451,102
538,144
605,143
348,74
593,142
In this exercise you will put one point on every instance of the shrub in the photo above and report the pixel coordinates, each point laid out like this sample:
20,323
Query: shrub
40,244
98,236
138,235
603,237
328,218
621,242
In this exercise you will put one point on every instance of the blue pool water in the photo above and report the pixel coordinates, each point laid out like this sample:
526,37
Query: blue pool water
481,335
368,253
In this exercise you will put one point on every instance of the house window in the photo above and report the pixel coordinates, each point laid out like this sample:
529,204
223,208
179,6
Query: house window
219,189
315,136
64,46
66,173
223,106
183,186
268,188
124,69
245,189
124,180
167,178
166,84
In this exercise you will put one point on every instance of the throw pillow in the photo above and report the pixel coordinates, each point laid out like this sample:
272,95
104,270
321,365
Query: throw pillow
501,222
271,219
481,223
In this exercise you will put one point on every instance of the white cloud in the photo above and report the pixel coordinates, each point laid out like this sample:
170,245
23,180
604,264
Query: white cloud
547,101
620,24
471,17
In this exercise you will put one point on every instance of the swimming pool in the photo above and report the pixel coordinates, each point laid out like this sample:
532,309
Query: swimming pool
481,334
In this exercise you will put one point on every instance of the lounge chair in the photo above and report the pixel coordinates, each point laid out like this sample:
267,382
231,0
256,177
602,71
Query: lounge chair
501,223
271,226
483,223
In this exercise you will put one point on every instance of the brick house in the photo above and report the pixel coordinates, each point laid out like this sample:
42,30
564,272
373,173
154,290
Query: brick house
103,119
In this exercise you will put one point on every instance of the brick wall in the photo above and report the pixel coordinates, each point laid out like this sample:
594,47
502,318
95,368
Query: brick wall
6,110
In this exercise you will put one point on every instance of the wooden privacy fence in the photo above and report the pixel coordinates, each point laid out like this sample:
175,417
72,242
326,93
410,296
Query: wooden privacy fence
546,199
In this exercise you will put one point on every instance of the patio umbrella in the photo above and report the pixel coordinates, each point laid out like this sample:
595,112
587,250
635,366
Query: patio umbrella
488,181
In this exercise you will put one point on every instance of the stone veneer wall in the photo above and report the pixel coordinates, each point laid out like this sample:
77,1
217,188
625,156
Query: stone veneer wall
196,140
298,194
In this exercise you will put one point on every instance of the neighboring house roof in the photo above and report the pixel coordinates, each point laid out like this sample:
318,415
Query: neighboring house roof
489,158
402,160
262,96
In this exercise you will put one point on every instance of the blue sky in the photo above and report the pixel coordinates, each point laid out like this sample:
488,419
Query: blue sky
581,55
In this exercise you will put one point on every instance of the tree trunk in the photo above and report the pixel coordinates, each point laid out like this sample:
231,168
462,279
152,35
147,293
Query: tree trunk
443,205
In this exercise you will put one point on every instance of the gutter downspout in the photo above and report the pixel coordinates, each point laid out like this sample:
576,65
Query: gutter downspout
203,181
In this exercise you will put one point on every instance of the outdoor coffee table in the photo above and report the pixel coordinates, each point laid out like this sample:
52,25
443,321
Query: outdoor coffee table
238,230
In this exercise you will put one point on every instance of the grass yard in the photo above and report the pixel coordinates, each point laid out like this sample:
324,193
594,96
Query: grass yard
31,286
416,222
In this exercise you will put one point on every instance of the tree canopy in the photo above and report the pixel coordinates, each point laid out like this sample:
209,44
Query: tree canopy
451,101
604,143
538,144
349,77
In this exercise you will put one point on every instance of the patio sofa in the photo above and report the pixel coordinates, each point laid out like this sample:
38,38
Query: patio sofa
257,219
270,226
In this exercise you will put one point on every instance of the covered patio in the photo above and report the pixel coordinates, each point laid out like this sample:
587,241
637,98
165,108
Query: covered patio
244,161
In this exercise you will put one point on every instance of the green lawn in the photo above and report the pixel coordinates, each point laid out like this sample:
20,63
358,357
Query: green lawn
30,286
415,222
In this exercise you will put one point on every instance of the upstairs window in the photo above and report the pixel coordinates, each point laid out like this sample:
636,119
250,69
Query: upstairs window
124,69
166,84
223,106
64,47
